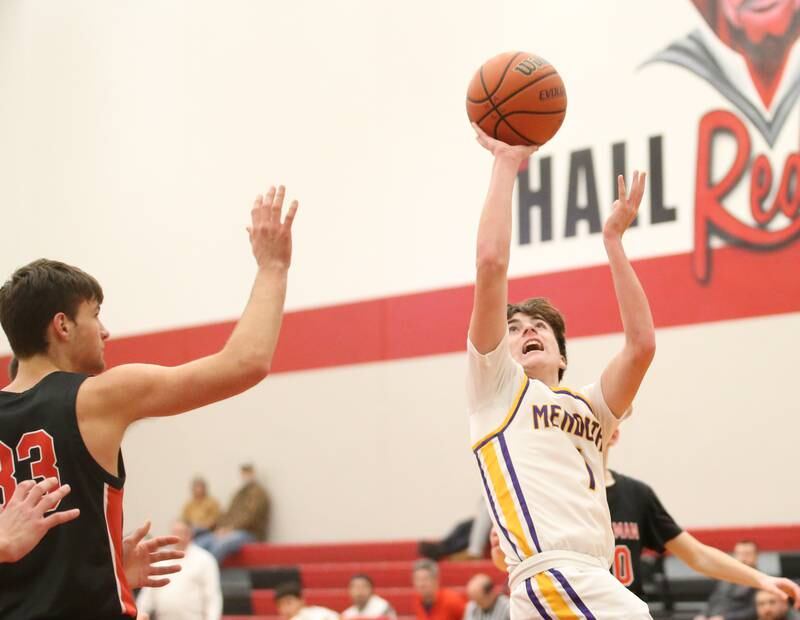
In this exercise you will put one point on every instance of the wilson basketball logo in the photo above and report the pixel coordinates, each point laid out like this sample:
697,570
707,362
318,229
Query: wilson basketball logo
529,65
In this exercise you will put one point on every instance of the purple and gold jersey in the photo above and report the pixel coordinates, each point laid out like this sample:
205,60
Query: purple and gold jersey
540,453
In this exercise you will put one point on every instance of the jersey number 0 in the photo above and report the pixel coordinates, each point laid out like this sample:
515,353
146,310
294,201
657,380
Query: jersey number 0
43,465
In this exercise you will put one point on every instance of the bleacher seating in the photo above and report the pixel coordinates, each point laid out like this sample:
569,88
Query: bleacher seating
324,570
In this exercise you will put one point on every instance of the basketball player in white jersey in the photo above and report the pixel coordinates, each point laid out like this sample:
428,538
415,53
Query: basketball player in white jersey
540,446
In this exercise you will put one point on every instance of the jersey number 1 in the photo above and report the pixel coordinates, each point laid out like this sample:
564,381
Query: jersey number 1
592,483
42,467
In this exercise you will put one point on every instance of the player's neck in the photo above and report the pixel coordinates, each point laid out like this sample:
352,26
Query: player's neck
30,372
549,378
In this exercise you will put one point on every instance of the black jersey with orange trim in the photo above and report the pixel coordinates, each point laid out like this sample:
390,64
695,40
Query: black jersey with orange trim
76,570
639,521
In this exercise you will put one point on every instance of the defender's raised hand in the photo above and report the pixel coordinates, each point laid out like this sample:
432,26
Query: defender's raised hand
271,238
501,149
625,207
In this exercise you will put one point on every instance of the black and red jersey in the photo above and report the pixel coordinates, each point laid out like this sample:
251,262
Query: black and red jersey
639,521
76,570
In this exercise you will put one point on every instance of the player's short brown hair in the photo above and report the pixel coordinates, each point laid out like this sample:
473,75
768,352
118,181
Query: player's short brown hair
541,308
34,294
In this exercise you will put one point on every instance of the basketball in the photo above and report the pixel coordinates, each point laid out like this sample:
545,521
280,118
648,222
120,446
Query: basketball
518,98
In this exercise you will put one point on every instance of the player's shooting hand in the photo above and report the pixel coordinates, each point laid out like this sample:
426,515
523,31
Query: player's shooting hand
271,238
501,149
625,207
784,588
22,521
139,558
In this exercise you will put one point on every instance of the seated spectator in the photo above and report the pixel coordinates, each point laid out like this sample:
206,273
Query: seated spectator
366,604
430,601
201,511
770,606
244,522
192,594
729,601
291,606
466,541
486,602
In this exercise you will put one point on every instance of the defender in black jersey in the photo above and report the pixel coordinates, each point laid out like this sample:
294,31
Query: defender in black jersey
640,521
63,417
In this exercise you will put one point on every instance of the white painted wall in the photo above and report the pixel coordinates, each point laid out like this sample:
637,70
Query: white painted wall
134,135
382,450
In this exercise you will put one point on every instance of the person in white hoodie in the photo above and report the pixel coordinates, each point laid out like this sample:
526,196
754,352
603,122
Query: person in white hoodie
194,593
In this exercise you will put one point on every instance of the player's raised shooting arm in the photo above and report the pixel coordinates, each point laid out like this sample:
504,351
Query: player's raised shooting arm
135,391
488,322
716,564
623,376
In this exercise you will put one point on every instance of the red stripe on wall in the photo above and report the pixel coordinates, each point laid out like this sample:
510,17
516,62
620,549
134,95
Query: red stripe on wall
744,283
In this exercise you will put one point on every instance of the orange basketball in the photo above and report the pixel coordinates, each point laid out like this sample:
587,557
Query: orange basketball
518,98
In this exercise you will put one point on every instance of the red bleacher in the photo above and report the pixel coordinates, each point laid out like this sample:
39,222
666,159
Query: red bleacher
292,555
325,569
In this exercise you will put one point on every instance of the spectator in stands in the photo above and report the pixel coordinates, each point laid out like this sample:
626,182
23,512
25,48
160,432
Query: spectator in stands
730,601
466,541
201,511
192,594
769,606
430,601
366,604
244,522
486,602
291,605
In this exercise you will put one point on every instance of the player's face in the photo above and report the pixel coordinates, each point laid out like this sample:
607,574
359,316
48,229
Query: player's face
770,607
360,591
289,606
534,345
760,18
88,339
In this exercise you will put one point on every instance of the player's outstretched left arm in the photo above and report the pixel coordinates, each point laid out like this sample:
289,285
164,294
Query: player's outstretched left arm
624,374
714,563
